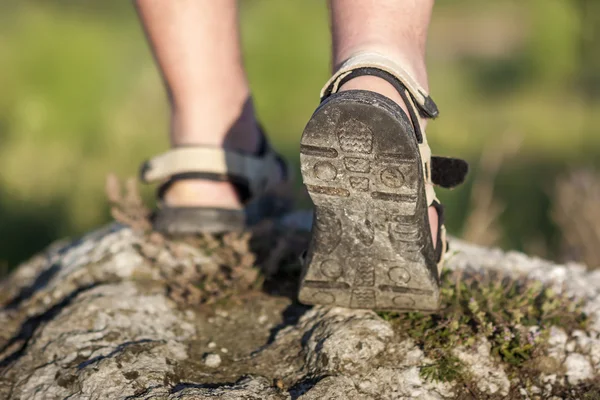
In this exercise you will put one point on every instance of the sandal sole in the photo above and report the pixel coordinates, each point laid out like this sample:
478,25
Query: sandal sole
371,246
175,221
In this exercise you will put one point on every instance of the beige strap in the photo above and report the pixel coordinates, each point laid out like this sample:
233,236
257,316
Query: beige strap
381,62
260,172
443,238
425,151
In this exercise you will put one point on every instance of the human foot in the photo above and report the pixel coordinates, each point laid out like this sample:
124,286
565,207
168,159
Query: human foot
231,130
207,193
210,189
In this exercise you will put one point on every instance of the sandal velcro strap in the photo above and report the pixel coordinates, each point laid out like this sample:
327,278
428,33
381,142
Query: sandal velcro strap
259,173
448,172
362,62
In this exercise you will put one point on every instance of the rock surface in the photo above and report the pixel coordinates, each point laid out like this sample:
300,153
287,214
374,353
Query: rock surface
95,319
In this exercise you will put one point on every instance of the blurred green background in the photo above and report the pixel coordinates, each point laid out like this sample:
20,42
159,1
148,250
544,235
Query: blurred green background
80,98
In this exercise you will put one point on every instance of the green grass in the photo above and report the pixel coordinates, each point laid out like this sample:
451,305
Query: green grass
491,307
80,97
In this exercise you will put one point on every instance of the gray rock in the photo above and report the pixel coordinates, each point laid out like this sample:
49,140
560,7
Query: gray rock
333,348
589,343
93,319
557,343
488,374
334,387
212,360
578,368
250,388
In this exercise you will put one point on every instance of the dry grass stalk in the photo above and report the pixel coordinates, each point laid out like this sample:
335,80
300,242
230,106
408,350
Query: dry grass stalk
576,212
126,203
482,225
239,261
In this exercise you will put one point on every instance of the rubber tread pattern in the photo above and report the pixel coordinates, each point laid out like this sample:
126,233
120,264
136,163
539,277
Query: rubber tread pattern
371,247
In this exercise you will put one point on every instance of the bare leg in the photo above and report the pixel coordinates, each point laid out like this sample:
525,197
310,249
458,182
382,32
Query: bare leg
396,28
196,44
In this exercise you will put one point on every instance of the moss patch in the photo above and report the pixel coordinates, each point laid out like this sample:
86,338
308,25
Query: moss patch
513,315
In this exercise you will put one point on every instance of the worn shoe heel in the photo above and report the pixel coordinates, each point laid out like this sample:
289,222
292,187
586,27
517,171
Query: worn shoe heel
371,246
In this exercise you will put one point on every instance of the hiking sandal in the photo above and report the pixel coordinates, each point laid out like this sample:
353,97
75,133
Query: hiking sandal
369,172
256,178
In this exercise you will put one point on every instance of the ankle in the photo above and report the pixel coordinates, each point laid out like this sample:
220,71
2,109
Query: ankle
231,125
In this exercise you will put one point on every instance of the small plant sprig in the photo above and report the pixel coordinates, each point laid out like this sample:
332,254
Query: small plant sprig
512,314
